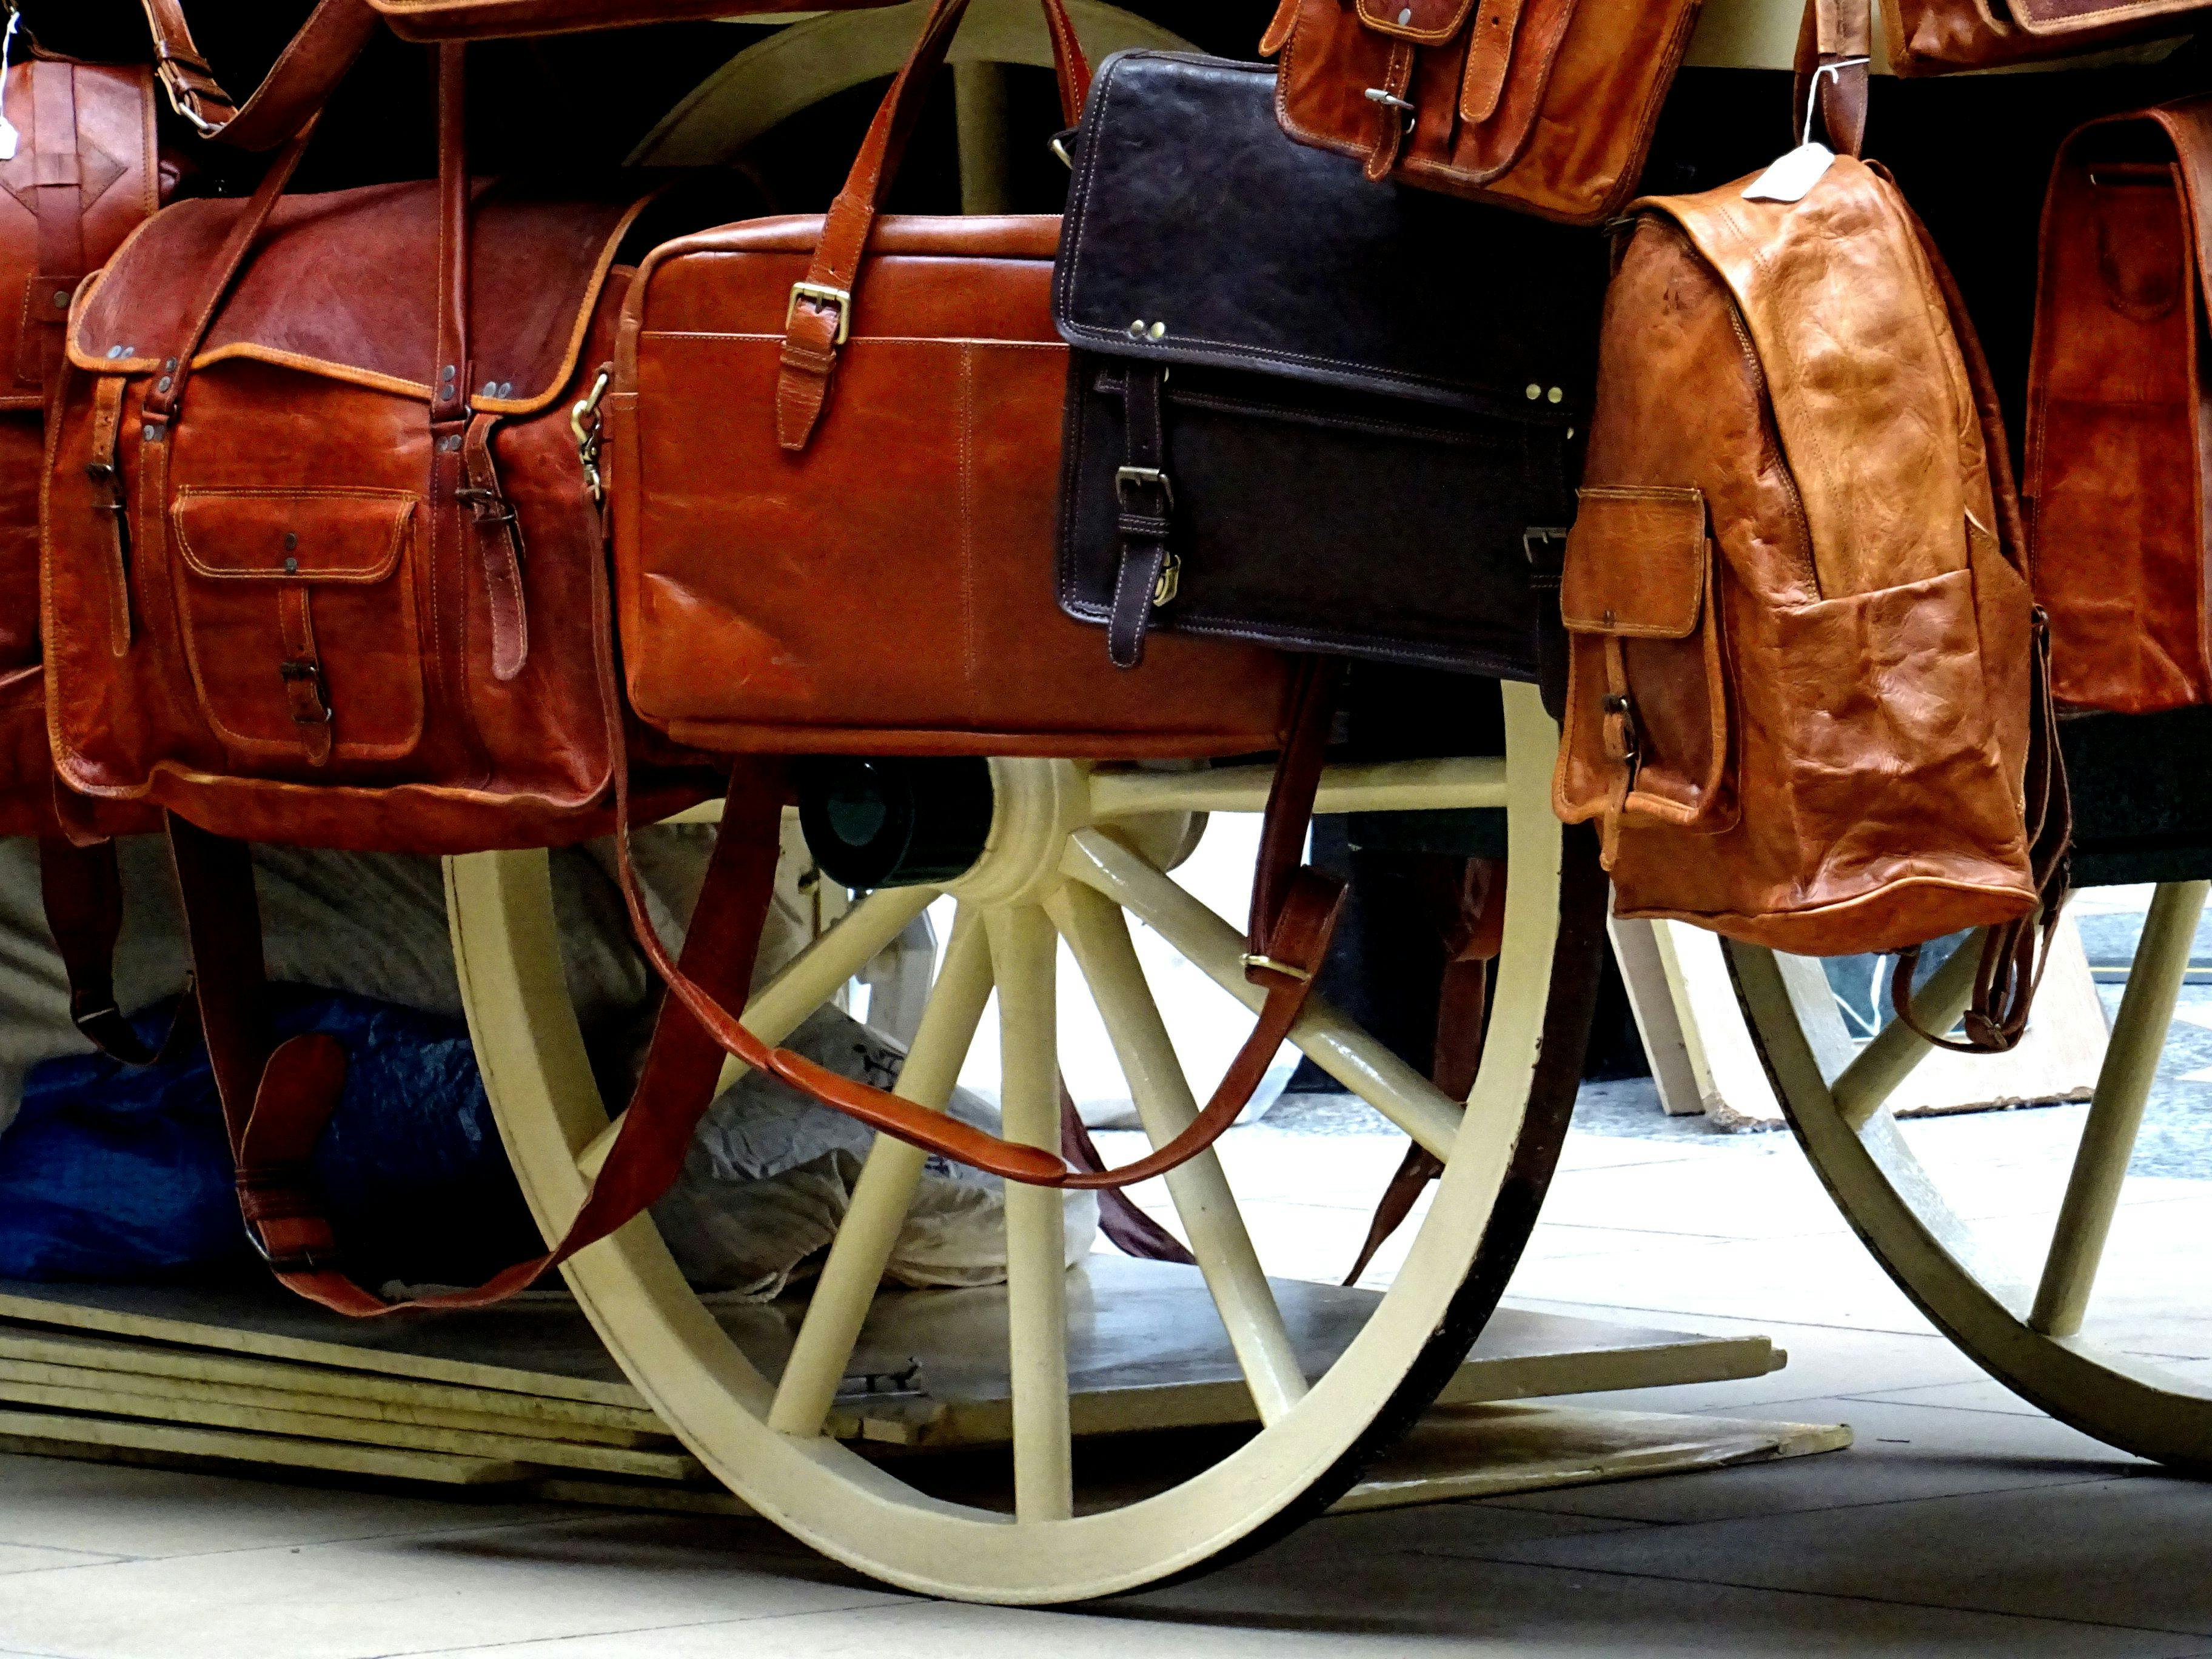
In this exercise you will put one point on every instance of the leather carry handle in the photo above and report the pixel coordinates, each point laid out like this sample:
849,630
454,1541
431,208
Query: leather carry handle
821,312
1835,41
1294,912
297,85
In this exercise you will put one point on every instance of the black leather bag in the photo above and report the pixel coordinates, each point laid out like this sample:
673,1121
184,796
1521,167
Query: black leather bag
1307,409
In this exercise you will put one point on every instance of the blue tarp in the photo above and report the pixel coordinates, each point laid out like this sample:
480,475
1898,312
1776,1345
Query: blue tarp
111,1172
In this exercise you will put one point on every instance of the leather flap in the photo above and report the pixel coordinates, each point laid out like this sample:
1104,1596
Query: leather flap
345,285
2052,19
1425,22
1636,564
1372,287
293,535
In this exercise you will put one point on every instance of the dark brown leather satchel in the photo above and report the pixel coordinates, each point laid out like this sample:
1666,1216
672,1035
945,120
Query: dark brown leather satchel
1806,701
2117,447
1939,37
1306,410
1543,105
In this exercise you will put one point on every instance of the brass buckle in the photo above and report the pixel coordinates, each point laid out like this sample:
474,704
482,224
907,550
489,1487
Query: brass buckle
1269,964
822,296
292,669
1132,478
1632,734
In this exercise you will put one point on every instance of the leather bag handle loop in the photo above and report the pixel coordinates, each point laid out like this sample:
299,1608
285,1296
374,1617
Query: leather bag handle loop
1835,41
297,86
820,315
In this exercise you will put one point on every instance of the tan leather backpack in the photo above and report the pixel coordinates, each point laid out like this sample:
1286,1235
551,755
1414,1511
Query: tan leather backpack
2116,446
1546,106
1803,657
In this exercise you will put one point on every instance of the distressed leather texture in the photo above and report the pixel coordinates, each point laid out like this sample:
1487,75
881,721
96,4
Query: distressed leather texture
2116,449
299,629
1338,390
87,171
1833,758
1546,106
913,498
1942,37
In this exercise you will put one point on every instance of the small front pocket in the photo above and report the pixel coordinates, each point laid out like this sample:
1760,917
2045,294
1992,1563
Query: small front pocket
298,608
1647,728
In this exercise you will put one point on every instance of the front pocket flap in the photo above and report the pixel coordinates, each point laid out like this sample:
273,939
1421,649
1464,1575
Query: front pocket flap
312,535
1636,563
1426,22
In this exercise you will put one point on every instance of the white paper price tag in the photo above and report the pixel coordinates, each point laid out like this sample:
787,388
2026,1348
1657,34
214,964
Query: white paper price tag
1790,177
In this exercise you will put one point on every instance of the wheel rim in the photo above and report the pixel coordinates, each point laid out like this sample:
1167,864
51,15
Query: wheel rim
754,1434
2027,1335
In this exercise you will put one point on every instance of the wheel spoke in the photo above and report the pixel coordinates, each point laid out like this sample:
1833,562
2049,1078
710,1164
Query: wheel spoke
1095,931
1891,1054
2108,1138
1024,953
1380,787
809,980
885,1192
1337,1045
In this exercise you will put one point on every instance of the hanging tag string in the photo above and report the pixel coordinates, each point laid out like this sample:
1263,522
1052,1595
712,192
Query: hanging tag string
1812,91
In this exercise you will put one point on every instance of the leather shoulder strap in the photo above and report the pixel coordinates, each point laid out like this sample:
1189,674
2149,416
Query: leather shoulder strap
1834,43
299,84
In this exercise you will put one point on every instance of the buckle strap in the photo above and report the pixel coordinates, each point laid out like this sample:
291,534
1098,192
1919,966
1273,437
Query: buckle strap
1150,574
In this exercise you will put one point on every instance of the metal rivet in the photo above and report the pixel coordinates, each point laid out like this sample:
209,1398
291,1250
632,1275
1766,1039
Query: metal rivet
164,383
61,296
1535,392
507,388
447,373
1158,331
1554,395
1137,329
292,567
170,366
449,445
491,389
291,540
1570,434
1608,616
1406,17
114,353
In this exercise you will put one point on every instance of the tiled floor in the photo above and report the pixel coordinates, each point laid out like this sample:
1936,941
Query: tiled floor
1963,1522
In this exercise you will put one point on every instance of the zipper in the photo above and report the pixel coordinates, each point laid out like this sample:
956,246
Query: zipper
1772,433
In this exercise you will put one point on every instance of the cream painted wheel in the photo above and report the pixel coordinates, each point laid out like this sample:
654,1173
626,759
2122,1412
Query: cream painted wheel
2026,1330
1063,859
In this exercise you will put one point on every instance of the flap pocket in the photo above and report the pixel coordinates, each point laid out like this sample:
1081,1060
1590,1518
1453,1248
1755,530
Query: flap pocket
294,535
1427,22
1636,564
1647,737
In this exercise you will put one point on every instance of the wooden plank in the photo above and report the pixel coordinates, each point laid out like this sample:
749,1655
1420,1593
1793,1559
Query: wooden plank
1636,948
211,1406
52,1434
344,1393
1488,1451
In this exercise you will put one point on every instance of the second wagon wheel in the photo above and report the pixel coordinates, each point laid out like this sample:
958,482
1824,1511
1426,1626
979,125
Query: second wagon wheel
2014,1291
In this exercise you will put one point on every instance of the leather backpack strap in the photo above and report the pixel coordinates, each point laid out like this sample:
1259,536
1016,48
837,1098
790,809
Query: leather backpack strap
277,1098
297,85
821,312
82,888
2014,955
1835,43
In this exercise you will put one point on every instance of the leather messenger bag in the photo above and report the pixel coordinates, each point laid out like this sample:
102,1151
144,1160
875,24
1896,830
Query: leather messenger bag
1306,410
1542,105
835,462
2117,447
1806,702
1941,37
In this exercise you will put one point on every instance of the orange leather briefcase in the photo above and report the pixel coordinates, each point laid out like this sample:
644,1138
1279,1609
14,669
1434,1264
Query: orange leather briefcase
837,463
2116,449
1542,105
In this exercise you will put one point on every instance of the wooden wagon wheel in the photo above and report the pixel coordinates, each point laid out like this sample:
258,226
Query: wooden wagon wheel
2028,1335
1068,854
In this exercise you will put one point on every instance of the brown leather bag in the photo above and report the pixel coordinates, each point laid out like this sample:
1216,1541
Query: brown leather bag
1941,37
1542,105
2117,522
1802,657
